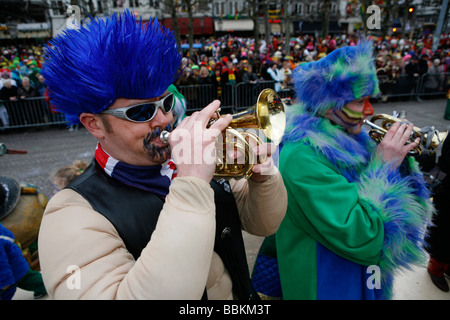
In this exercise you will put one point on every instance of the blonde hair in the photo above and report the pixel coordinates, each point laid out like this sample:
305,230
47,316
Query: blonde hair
203,71
67,174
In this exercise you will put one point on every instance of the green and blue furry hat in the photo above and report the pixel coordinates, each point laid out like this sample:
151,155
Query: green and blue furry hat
87,69
346,74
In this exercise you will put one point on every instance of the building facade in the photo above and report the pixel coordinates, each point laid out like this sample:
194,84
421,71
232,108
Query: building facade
40,19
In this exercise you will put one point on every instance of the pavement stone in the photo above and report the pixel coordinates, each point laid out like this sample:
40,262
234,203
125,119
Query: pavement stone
48,149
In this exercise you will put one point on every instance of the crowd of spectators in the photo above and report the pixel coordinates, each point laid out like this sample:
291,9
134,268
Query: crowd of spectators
229,60
402,64
20,70
20,80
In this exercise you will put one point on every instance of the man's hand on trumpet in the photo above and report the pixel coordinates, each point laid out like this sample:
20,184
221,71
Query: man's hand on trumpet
263,171
394,147
193,142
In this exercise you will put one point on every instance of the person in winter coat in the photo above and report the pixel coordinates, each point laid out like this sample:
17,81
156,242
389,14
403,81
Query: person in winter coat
146,219
357,211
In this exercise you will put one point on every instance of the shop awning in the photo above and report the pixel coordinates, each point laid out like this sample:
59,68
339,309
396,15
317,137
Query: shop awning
233,25
201,26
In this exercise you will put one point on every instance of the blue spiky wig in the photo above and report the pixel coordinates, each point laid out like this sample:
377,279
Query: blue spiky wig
87,69
346,74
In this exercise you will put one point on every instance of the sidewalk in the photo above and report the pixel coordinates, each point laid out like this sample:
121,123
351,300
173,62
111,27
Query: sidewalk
51,148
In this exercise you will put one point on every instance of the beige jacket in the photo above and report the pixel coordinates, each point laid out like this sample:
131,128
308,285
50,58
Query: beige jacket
83,257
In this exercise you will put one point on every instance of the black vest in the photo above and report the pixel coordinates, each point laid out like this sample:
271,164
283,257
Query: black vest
134,213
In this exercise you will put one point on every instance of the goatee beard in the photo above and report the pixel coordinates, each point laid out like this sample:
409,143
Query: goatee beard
156,153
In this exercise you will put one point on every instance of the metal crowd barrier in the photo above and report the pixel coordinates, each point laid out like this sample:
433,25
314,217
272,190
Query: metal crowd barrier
199,96
234,98
34,112
414,86
434,84
30,112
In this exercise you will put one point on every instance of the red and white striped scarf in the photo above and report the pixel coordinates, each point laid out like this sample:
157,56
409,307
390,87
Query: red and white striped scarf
155,179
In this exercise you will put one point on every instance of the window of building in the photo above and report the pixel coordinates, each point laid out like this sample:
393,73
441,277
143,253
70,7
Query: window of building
134,3
118,3
100,6
333,8
203,5
57,7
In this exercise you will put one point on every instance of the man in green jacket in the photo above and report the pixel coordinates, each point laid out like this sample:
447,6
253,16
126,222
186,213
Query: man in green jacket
357,211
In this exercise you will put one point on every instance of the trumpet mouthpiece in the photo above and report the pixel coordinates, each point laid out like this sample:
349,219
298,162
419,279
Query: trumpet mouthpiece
164,137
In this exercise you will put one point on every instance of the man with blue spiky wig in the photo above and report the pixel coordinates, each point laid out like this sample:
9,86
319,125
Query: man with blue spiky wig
142,221
357,211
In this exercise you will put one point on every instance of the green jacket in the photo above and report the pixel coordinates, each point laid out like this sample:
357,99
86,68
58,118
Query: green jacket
349,214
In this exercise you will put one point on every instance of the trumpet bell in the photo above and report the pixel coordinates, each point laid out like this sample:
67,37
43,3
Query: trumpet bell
271,115
267,114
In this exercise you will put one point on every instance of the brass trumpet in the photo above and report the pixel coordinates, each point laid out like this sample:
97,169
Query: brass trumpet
267,115
430,139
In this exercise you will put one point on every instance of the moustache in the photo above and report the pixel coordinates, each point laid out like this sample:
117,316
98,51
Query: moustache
153,151
156,133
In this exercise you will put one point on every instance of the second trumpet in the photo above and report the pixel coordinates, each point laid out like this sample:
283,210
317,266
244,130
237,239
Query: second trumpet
430,140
